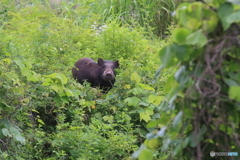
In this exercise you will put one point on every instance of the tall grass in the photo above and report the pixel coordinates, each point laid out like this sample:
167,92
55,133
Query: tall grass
154,15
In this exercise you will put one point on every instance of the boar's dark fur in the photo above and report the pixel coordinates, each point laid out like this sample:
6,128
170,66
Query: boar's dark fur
101,74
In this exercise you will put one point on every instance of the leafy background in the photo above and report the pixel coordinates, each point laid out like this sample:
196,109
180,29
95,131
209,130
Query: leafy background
166,103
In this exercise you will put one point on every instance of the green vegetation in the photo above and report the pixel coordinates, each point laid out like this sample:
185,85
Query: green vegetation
174,98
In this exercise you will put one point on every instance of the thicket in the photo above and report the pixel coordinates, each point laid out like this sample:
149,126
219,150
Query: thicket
190,109
200,114
44,113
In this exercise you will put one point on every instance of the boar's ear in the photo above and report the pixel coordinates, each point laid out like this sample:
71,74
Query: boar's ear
100,62
116,63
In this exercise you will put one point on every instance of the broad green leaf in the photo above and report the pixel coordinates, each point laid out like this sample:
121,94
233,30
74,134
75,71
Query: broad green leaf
183,52
210,24
186,141
108,118
135,77
170,84
203,130
152,124
233,17
7,60
177,120
167,55
234,93
156,100
136,91
145,155
19,63
62,77
230,82
179,35
40,121
133,101
152,143
5,122
20,139
146,87
68,92
6,132
14,131
193,23
197,38
144,116
223,12
47,82
194,139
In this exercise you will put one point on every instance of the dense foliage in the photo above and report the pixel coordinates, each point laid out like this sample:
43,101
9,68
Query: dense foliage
189,109
203,100
45,114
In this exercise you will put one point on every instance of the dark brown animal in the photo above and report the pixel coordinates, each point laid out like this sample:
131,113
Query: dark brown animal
101,74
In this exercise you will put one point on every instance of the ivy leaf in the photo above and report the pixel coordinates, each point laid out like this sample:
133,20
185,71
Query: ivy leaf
234,93
177,120
146,87
223,12
167,55
233,17
179,35
62,77
146,115
197,38
135,77
14,131
145,155
6,132
194,139
20,139
133,101
152,143
156,100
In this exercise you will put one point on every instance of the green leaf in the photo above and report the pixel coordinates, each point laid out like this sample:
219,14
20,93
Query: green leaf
177,120
170,84
194,139
6,132
156,100
230,82
179,35
152,143
133,101
20,139
152,124
211,23
203,130
146,115
145,155
62,77
223,12
108,118
5,122
146,87
135,77
233,17
14,131
234,93
167,55
197,38
19,63
193,23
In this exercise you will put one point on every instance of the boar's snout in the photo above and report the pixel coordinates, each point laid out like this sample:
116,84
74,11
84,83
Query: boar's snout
108,75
